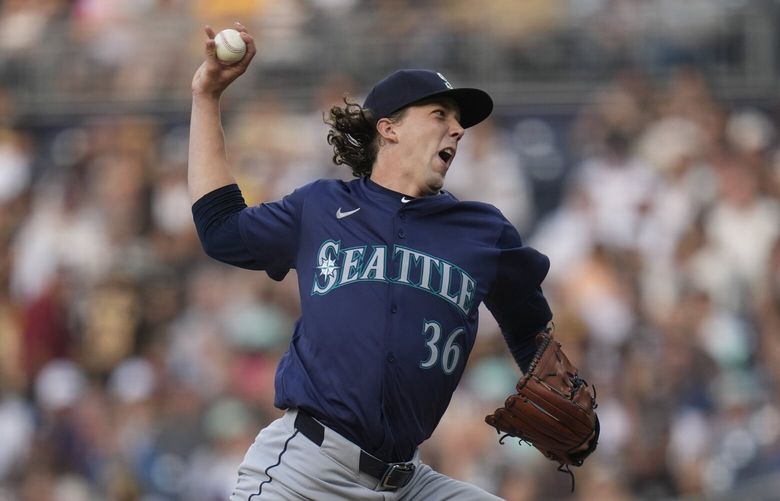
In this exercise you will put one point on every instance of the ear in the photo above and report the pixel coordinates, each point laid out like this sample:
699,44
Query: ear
386,129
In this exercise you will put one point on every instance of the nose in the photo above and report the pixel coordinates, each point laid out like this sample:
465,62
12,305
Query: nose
456,130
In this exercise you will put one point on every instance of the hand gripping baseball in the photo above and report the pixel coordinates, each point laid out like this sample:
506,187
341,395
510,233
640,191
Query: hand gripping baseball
553,408
214,76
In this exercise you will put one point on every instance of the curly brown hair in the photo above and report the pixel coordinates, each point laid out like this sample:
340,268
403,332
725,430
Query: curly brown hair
354,137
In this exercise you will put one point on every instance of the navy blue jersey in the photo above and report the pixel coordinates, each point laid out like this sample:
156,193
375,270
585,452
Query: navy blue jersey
390,288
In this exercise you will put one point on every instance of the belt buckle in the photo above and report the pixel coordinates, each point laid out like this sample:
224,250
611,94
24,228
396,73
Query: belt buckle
397,476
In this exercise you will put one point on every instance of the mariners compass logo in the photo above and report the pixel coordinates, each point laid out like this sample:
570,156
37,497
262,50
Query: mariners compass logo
327,267
446,82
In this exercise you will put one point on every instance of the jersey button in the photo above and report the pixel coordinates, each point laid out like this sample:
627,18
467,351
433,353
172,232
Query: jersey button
401,233
403,217
394,309
390,358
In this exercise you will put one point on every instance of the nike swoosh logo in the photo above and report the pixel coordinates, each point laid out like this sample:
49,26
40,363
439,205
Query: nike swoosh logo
405,200
340,214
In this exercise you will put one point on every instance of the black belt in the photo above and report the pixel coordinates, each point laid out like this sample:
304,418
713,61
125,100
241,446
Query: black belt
390,475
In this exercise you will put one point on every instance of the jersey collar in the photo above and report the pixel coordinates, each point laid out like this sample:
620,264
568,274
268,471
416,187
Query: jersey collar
425,204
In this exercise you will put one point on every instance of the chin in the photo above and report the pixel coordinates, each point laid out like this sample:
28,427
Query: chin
434,186
433,180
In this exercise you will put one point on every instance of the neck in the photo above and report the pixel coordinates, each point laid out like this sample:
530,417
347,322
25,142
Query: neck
394,174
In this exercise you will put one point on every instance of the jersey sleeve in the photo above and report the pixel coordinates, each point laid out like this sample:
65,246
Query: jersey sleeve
262,237
515,298
271,232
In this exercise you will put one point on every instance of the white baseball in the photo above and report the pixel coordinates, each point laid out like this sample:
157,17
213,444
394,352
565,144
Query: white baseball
230,46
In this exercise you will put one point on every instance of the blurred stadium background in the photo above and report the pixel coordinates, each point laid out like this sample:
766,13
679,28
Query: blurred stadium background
635,142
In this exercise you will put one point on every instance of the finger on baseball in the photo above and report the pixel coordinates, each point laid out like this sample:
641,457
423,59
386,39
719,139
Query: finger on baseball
251,50
247,38
209,32
211,49
239,26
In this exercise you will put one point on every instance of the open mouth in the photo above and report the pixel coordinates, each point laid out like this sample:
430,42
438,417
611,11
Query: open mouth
446,154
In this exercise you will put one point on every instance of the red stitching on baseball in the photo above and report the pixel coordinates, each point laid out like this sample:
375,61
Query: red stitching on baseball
234,50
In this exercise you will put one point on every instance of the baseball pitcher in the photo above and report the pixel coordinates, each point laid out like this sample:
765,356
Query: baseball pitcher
391,271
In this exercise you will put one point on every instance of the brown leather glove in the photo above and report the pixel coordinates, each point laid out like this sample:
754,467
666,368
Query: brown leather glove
553,409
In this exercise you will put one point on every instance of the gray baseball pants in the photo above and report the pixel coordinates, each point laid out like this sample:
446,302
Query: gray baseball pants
284,464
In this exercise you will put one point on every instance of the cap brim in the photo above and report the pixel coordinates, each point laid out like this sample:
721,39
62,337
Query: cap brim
475,104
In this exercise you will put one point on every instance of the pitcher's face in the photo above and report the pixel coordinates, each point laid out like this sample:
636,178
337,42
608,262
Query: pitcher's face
428,134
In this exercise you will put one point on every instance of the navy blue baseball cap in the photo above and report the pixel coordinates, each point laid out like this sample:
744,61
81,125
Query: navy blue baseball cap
406,87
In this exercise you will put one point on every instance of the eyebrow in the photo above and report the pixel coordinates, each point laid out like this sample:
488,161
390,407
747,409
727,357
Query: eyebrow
446,104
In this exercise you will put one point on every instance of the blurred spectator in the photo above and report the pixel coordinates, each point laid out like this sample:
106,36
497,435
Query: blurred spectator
742,228
64,233
619,189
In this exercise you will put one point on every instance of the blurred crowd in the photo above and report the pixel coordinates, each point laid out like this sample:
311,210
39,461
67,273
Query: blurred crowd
58,55
133,367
